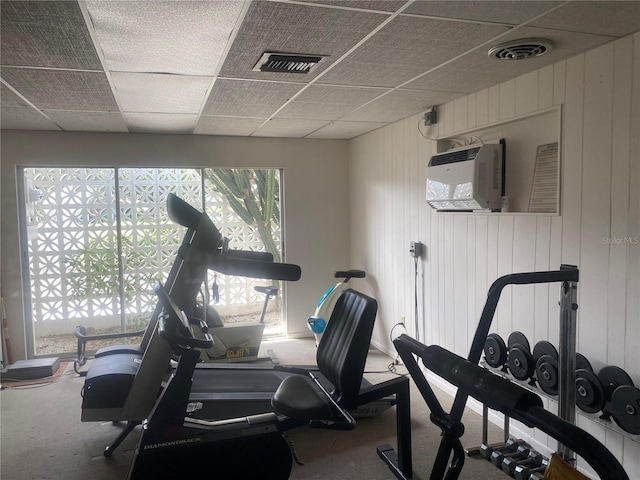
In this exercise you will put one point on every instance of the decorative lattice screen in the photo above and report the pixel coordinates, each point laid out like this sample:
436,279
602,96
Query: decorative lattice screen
83,272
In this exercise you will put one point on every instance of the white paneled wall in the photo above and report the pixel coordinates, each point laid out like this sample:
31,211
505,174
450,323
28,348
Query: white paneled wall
598,228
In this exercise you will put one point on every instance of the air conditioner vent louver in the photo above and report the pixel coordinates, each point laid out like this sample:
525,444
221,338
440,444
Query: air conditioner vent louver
521,49
287,62
453,157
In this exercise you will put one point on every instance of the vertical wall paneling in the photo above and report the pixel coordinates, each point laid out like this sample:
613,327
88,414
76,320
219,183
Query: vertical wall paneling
555,260
599,95
481,279
507,106
505,243
527,93
494,104
460,114
524,256
459,285
470,311
482,107
545,87
450,253
596,198
471,111
559,79
572,160
632,337
424,221
541,296
449,118
620,143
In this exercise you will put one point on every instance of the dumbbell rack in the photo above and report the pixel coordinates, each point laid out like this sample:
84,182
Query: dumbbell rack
566,369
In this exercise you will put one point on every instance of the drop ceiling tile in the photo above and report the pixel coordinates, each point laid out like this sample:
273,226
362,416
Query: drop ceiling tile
507,12
160,122
183,37
62,89
236,126
289,128
374,5
8,99
244,98
419,44
292,28
324,102
477,71
24,118
345,130
603,18
88,121
399,104
46,34
161,93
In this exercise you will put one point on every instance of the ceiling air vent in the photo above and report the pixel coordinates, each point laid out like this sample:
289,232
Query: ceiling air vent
521,49
287,62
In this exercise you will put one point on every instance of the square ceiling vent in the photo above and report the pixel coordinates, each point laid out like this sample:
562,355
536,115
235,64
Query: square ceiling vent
287,62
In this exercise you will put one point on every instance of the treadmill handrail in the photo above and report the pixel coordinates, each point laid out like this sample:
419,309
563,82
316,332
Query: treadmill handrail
232,265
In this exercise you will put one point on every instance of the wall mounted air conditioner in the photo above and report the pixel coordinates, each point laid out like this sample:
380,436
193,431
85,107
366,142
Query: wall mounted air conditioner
467,179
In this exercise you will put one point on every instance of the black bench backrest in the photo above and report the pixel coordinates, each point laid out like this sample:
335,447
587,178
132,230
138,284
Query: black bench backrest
344,346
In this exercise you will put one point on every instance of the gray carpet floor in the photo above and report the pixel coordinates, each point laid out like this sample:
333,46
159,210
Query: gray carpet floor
42,436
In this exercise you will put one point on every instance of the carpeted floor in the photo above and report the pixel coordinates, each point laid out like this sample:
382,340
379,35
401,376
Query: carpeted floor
42,436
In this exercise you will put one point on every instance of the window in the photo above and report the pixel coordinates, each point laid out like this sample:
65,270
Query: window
97,238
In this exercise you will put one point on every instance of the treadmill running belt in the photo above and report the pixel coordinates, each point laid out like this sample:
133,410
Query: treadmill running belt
229,381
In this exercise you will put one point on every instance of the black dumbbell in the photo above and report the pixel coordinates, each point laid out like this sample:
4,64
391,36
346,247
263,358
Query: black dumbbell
509,464
511,446
495,351
537,475
520,360
497,457
523,472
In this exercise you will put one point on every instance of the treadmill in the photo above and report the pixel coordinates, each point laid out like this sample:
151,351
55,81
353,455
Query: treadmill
123,382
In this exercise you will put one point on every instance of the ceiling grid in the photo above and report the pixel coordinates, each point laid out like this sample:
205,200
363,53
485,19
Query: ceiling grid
186,67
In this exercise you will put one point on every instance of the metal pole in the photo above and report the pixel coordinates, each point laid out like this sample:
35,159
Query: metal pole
507,434
567,360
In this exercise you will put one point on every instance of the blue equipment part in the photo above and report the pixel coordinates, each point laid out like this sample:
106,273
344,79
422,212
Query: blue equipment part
326,294
317,325
327,302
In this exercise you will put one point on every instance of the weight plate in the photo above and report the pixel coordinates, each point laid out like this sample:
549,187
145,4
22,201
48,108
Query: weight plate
589,391
544,348
625,408
582,363
547,374
521,363
518,338
495,351
612,377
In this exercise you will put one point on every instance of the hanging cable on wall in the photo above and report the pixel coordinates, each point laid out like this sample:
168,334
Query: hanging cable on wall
416,249
415,298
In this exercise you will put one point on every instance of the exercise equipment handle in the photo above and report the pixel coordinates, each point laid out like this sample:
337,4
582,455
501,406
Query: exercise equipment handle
230,265
177,341
492,390
182,213
250,255
500,394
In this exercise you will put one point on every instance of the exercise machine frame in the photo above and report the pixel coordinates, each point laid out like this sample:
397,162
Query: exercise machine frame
450,423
